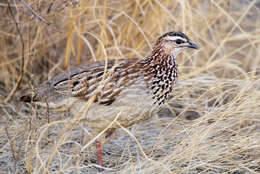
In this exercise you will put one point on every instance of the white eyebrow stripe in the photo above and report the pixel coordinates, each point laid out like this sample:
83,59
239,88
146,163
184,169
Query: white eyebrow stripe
175,38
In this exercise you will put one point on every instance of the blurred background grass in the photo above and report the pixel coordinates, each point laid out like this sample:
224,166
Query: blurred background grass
217,130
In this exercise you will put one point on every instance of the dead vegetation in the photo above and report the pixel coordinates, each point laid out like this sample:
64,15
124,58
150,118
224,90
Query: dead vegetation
211,124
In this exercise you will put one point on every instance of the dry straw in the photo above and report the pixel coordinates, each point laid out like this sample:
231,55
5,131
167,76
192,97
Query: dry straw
212,123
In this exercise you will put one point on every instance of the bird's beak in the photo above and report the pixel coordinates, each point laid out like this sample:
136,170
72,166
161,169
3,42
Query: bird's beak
193,45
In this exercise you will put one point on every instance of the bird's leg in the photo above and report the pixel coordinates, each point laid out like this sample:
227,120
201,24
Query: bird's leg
99,152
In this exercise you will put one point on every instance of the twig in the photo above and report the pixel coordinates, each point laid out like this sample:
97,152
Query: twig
39,16
6,5
22,60
34,13
11,146
47,111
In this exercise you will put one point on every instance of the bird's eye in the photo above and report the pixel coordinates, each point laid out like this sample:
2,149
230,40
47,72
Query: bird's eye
179,41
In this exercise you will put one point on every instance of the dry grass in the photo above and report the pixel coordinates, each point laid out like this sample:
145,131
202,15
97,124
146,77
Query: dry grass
216,131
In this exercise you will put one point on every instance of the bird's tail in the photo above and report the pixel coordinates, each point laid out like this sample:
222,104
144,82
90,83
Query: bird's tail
29,95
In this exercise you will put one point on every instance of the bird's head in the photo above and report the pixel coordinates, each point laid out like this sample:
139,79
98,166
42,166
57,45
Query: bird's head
173,43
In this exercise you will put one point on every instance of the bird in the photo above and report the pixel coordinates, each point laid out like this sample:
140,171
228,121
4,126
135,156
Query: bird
133,87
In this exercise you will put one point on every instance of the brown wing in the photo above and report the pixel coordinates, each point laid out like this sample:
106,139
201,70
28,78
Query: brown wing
82,82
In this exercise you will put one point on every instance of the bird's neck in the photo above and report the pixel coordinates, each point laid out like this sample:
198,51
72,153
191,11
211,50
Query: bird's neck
162,71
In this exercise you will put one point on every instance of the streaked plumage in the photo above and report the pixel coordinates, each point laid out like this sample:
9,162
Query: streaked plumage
133,87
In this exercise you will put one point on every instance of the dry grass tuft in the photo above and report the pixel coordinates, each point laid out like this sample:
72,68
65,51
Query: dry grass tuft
212,123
